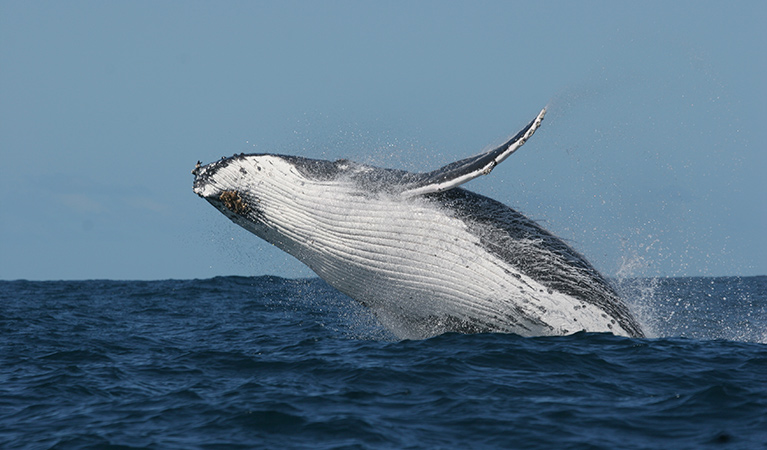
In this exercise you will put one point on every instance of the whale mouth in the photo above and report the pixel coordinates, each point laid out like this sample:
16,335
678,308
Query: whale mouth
235,203
203,177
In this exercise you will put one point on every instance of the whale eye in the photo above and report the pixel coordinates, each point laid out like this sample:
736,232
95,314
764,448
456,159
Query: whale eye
233,202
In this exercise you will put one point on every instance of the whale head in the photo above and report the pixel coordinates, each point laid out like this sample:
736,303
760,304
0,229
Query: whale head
266,194
238,185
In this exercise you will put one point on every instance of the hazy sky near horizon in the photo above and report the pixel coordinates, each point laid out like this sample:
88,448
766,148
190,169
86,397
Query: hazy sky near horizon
651,160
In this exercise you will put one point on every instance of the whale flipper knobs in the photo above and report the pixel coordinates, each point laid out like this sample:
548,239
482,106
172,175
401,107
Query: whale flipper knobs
425,255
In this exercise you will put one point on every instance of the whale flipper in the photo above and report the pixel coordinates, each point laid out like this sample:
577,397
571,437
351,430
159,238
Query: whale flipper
459,172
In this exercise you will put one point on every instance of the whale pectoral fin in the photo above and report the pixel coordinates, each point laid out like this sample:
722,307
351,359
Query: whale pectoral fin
459,172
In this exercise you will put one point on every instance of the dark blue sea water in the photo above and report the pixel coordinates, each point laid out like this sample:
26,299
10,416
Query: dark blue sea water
273,363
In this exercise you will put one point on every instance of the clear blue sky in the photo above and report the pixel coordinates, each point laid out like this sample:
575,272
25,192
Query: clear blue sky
651,160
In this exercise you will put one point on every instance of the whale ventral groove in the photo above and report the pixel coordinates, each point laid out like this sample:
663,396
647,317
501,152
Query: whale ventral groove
424,254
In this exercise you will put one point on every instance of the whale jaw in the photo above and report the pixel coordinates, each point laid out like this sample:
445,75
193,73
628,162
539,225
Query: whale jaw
224,184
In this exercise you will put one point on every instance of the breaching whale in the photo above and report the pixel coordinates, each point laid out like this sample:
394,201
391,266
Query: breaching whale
425,255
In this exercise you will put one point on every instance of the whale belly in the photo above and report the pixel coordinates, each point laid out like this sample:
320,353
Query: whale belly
422,269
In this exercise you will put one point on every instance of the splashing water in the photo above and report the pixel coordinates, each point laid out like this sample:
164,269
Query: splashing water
731,308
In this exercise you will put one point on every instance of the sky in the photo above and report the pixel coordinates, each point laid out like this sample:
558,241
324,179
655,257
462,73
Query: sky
651,160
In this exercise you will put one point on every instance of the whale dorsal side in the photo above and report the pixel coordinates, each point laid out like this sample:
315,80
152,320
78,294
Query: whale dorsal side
459,172
408,184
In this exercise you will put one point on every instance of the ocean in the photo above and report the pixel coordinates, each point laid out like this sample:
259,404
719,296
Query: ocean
266,362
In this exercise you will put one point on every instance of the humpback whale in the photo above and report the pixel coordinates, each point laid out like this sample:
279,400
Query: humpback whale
425,255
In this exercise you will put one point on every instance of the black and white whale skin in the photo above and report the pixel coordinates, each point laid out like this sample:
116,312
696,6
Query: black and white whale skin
426,256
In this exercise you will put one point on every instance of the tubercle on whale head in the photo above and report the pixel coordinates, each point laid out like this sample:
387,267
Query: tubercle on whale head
219,184
204,173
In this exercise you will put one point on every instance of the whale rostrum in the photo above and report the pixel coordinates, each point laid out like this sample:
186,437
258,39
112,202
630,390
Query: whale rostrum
425,255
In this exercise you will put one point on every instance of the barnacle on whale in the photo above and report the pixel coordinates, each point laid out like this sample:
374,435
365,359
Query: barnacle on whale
233,202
